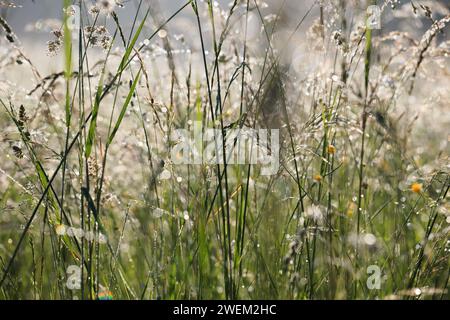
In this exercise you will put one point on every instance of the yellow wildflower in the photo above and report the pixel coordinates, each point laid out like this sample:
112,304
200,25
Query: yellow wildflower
331,149
416,187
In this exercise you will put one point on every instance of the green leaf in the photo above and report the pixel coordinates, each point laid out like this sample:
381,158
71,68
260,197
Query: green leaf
67,60
127,54
93,125
124,108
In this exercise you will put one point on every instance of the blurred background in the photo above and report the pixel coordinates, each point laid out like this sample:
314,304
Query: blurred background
34,20
38,11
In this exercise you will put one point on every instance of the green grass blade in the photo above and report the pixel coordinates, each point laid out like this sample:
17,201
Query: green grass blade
67,60
127,54
93,124
124,108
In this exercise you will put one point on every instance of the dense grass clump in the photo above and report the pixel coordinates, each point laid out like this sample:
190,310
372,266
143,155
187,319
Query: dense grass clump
95,203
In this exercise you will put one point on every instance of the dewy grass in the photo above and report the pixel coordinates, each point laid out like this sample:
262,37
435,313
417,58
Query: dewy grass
95,203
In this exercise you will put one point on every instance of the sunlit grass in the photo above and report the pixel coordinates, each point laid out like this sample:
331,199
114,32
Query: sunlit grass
93,205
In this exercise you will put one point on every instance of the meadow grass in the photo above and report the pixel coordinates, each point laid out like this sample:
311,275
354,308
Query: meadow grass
93,204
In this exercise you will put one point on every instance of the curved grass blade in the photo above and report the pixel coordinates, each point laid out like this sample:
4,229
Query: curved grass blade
92,127
124,108
127,54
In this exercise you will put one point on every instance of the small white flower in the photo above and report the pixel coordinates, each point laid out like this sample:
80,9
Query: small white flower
106,6
314,212
369,239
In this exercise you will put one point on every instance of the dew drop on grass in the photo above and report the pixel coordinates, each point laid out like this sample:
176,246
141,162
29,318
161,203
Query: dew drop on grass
162,33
